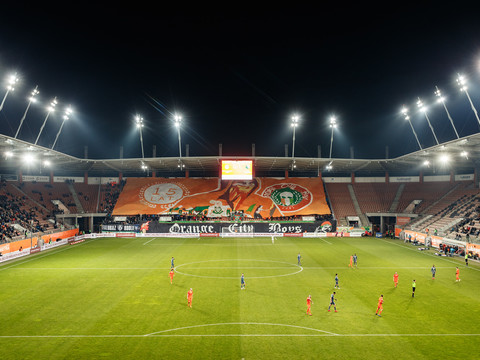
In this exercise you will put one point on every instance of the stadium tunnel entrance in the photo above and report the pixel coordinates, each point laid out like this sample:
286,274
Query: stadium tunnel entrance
382,222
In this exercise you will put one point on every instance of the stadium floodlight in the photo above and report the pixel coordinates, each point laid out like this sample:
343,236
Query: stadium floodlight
139,124
295,119
464,154
407,118
12,79
462,83
423,109
426,163
178,123
31,99
50,109
444,158
66,116
441,99
333,125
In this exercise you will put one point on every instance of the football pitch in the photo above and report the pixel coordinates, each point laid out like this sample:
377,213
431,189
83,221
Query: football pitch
111,298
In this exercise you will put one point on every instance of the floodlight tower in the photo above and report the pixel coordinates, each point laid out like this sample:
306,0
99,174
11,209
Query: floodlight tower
31,99
178,123
407,118
10,87
423,109
139,124
66,116
462,82
333,125
50,109
295,119
441,99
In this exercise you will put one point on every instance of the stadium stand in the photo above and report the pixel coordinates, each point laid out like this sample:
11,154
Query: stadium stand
375,197
340,201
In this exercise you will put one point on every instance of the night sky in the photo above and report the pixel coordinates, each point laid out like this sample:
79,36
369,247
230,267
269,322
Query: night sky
237,75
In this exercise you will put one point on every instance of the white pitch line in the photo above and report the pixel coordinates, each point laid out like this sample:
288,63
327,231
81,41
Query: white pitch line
240,323
49,252
443,258
231,335
145,243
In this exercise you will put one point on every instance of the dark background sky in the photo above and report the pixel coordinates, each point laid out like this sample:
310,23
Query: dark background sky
237,75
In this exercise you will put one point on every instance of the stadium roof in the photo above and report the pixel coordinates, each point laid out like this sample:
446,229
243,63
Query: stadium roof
463,154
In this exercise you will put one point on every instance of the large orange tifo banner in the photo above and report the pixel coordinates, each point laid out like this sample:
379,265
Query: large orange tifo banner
257,198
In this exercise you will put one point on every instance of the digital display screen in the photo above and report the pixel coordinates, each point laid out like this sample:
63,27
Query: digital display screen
237,170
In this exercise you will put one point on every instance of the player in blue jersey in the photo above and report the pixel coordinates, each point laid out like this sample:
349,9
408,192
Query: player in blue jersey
332,302
172,262
242,282
336,282
298,259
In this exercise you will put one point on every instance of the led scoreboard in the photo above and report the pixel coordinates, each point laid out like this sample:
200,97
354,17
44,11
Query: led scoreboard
237,170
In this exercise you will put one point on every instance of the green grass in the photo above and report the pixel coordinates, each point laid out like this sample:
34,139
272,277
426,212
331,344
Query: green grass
112,299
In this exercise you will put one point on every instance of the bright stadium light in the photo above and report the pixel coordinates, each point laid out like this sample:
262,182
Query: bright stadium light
50,109
28,158
423,109
31,100
464,154
333,125
139,124
11,81
294,123
462,83
178,123
407,118
66,116
441,99
426,163
444,158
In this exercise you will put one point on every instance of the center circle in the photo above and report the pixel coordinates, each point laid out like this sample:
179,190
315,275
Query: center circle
250,267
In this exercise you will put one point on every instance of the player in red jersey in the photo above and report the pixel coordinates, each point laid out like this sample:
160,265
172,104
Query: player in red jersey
171,274
379,306
457,274
190,297
395,279
309,304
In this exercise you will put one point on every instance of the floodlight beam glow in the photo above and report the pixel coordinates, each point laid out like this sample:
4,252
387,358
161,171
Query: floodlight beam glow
50,109
442,100
404,111
10,82
461,80
31,99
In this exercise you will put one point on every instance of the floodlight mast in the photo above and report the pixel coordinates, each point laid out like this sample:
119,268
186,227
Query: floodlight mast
139,123
50,109
178,123
407,117
423,109
295,118
442,100
66,116
31,99
462,82
10,87
333,125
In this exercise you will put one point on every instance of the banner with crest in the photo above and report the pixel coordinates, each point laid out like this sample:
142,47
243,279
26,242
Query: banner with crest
260,198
